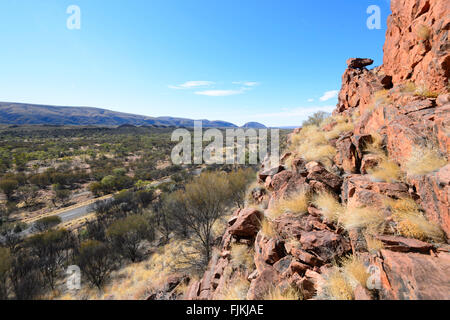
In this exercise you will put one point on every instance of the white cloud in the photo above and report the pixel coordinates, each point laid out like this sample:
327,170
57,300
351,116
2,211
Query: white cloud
247,83
311,100
220,93
193,84
329,95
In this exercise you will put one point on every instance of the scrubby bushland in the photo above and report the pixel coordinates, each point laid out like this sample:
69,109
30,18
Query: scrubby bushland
96,260
50,249
126,235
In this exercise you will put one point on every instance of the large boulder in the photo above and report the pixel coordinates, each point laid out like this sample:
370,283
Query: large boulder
247,223
359,63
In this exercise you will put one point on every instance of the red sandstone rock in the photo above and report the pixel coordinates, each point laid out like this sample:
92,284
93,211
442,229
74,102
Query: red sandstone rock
359,63
417,44
415,276
402,244
346,157
319,173
247,224
360,191
434,192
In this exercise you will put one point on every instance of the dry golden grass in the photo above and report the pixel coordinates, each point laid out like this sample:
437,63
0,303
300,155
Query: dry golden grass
337,287
423,32
386,171
312,145
136,281
330,207
236,290
373,245
276,293
296,203
424,160
423,91
376,146
409,87
320,153
354,267
220,226
241,256
411,222
370,219
339,128
267,228
381,97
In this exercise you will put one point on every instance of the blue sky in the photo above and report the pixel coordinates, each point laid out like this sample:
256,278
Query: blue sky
236,60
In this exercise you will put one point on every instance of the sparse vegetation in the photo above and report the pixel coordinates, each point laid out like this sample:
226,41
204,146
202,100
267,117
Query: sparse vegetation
386,171
423,32
296,203
381,97
411,222
354,268
341,281
236,290
312,145
278,293
241,256
337,287
328,204
424,160
373,245
267,228
367,218
376,145
343,124
316,119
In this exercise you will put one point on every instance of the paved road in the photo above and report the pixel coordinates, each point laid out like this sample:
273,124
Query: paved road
76,213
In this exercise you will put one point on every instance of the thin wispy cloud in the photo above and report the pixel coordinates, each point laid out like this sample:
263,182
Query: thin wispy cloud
192,84
247,83
311,100
329,95
212,91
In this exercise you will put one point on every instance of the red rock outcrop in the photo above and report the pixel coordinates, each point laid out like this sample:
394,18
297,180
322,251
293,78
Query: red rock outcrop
417,43
300,250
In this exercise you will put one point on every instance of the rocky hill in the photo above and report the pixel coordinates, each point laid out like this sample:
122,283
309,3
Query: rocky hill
254,125
20,114
359,208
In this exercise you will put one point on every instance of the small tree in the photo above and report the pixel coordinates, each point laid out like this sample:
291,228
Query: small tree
97,261
50,248
126,235
9,186
28,194
316,118
25,277
62,195
5,266
46,223
205,199
239,181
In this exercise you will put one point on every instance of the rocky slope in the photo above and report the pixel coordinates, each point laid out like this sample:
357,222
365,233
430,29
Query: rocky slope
367,218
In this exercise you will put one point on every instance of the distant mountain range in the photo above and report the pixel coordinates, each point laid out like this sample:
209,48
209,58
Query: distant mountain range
23,113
